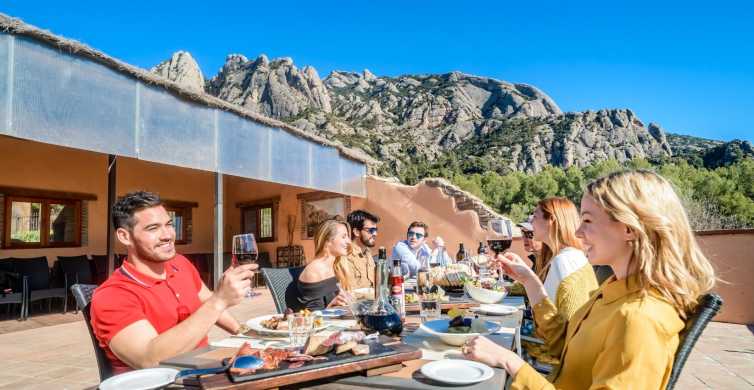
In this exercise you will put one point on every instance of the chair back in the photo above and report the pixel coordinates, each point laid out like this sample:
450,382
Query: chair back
36,269
283,284
83,294
602,273
99,265
77,268
709,305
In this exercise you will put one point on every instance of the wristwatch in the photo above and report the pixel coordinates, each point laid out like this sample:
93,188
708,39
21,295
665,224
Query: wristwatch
242,329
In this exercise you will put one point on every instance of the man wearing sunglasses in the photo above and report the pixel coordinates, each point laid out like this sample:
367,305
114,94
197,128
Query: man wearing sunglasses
414,248
360,272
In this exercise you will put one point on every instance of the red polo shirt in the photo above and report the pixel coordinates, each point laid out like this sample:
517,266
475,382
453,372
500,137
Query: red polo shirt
129,296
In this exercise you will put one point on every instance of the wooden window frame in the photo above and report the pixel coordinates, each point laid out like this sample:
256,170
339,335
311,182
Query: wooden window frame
185,227
185,209
44,233
258,206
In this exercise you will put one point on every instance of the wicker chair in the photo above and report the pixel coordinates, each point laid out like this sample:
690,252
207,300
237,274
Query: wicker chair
282,285
602,272
709,305
83,294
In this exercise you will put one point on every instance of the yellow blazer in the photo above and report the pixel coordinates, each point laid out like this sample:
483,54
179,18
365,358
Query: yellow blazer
619,339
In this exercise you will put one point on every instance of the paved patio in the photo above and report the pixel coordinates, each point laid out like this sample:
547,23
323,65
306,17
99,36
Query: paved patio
43,356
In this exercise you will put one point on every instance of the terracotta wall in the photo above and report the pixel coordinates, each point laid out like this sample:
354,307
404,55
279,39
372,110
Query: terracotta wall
398,205
41,166
177,184
246,190
732,256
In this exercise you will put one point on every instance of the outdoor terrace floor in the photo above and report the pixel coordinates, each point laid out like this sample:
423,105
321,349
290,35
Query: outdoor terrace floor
55,351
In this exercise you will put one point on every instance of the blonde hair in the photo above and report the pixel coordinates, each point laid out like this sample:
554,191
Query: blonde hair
665,253
562,232
325,233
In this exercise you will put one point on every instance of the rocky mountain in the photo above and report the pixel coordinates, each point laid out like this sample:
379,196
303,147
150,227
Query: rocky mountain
401,120
183,69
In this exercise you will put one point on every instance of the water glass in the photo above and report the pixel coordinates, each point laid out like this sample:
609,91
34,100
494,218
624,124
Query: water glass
299,329
429,308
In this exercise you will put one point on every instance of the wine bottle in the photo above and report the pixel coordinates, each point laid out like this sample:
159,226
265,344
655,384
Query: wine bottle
461,255
397,293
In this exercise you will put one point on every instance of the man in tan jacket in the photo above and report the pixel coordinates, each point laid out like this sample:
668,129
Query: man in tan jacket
363,235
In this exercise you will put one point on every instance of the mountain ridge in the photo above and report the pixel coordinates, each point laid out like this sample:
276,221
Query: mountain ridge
402,119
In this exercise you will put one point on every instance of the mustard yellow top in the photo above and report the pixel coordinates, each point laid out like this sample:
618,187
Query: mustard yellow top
573,292
619,339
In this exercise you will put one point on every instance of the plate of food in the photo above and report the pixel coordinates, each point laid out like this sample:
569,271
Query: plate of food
277,324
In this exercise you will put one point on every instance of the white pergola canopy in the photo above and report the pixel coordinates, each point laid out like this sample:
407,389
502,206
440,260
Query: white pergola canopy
50,96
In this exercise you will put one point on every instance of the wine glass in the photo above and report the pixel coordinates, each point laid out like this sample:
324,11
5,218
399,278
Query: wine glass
499,236
245,251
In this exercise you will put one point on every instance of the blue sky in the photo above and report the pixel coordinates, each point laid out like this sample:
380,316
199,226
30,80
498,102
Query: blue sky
688,66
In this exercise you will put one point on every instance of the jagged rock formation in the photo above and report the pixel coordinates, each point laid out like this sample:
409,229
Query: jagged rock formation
401,120
183,69
273,88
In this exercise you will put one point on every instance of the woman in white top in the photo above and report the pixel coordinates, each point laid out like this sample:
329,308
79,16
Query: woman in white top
561,264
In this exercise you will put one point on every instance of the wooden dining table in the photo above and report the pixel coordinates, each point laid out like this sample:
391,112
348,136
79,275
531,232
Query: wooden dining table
406,375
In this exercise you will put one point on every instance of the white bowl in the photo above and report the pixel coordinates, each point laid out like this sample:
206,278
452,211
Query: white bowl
483,295
439,328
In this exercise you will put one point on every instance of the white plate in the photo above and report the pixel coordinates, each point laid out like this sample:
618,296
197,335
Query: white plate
331,313
495,310
146,379
256,325
457,371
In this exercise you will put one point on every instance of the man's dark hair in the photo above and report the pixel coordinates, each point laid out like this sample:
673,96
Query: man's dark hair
421,225
357,217
125,208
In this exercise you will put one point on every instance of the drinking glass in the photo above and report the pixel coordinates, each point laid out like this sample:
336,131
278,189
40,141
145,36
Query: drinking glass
429,307
299,328
245,251
499,237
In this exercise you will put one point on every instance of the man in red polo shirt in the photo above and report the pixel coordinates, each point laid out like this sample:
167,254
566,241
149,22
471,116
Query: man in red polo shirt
155,306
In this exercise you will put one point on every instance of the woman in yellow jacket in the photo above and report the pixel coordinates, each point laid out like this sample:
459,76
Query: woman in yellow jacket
626,335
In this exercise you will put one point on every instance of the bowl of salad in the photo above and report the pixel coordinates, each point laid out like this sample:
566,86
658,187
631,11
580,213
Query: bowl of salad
485,291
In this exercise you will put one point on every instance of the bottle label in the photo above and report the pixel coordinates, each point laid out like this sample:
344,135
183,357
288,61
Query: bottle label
398,299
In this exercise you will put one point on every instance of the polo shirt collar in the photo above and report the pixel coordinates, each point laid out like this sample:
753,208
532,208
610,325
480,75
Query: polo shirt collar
130,272
616,289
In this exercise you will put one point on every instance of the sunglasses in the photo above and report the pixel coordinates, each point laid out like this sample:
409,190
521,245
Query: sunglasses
529,234
371,230
418,235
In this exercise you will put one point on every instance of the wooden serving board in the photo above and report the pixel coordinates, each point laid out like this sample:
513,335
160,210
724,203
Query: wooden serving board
397,353
456,303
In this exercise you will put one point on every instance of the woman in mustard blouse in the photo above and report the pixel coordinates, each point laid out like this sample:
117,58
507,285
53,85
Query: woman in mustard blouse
626,335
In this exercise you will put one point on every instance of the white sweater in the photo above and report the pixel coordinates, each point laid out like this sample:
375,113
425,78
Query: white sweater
566,262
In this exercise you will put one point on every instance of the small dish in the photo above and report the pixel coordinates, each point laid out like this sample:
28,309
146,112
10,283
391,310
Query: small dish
495,309
457,371
146,379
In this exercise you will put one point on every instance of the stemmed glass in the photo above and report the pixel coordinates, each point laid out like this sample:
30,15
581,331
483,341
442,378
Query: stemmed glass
245,251
499,237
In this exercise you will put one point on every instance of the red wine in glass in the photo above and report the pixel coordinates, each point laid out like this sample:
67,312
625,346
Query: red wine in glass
499,246
245,252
